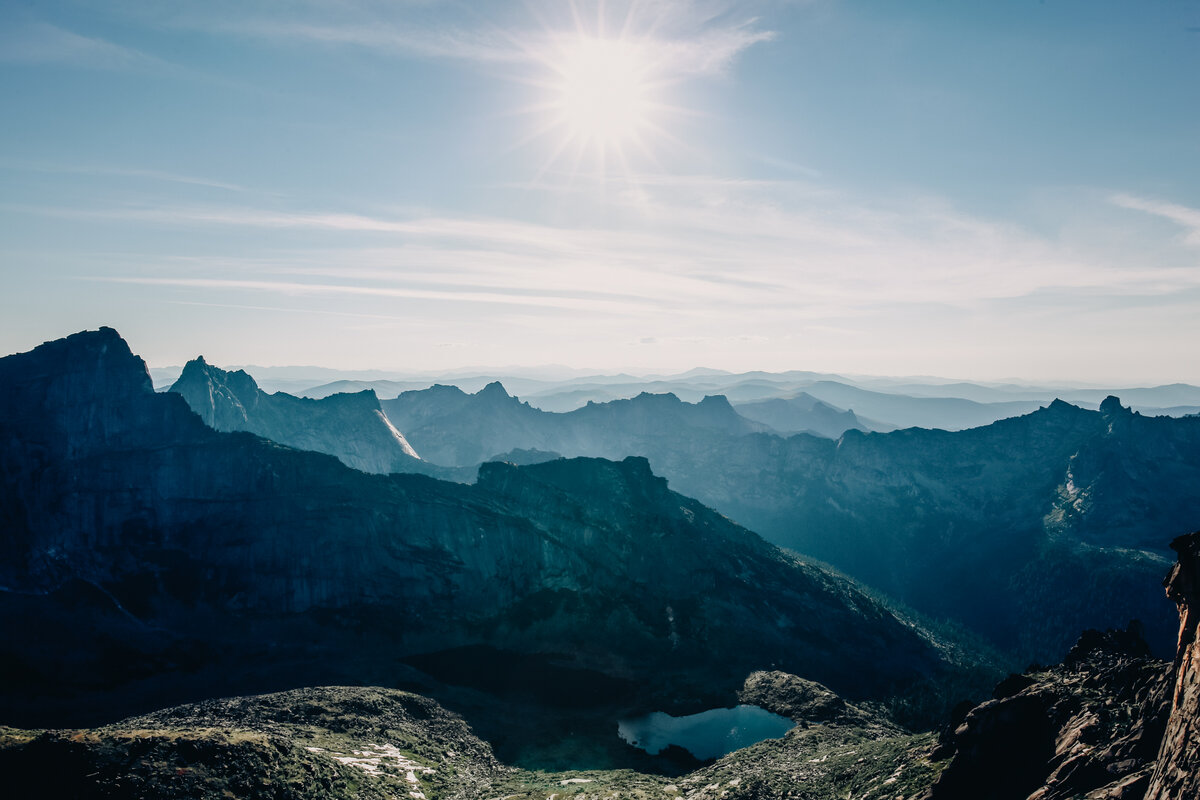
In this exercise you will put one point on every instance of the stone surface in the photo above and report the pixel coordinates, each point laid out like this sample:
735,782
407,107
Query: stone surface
1090,727
1177,773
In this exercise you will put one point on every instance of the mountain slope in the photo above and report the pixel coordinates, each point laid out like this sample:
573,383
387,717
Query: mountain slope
146,558
351,427
974,525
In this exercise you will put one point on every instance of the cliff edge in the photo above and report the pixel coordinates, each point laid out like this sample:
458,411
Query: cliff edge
1177,773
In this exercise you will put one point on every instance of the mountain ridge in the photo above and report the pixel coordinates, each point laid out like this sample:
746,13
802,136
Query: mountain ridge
351,427
162,551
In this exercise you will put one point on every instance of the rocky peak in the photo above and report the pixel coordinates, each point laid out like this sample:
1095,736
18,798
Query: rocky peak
89,386
1112,406
494,391
366,400
717,409
1062,407
349,425
224,400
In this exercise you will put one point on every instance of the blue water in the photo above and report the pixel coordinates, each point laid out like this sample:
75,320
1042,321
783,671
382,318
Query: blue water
709,734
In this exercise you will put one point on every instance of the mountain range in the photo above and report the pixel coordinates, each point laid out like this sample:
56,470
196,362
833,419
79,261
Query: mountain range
970,526
159,548
148,557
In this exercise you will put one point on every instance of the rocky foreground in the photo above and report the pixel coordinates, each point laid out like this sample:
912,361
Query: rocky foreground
343,742
1109,723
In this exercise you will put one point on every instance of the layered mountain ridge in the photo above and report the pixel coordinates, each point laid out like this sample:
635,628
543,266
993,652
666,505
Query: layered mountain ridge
455,429
148,556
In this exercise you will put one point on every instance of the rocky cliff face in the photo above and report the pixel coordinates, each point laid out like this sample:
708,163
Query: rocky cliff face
351,427
1109,723
147,557
1087,728
1177,774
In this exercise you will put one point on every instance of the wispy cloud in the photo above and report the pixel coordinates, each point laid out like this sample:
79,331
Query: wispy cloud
681,38
118,172
684,249
295,288
1185,217
43,43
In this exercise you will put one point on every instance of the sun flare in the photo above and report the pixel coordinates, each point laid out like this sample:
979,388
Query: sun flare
603,95
600,102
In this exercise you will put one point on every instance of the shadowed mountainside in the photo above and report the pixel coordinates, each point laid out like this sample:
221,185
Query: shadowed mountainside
973,525
1109,723
147,557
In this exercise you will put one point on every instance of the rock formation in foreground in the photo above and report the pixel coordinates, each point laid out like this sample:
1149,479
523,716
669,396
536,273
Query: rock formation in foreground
1177,774
1089,727
368,743
1109,723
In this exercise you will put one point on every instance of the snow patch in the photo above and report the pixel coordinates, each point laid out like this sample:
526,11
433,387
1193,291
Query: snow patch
399,437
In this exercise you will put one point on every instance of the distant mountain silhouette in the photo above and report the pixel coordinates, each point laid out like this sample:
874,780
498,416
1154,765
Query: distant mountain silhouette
804,413
453,428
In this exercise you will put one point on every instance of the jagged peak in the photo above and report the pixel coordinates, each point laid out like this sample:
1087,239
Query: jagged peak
716,401
1112,406
651,397
495,389
1062,406
365,398
199,370
436,389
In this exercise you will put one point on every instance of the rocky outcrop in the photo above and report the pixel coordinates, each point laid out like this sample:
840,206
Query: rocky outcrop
368,743
316,744
1090,728
148,558
1177,774
351,427
810,703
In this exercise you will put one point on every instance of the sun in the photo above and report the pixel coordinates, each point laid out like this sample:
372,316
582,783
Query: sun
603,94
601,101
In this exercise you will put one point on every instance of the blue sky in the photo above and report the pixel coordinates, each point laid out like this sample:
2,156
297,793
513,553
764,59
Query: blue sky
970,189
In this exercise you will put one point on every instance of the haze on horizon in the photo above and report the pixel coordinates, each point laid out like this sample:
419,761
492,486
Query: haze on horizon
978,191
